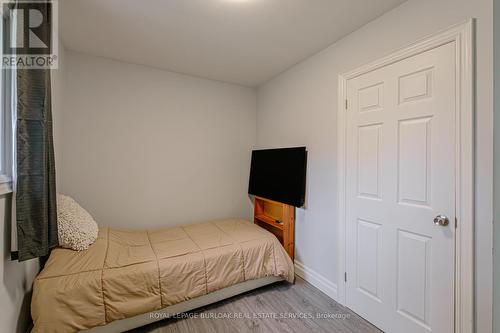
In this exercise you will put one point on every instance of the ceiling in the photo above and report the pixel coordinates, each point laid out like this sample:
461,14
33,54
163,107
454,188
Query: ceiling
239,41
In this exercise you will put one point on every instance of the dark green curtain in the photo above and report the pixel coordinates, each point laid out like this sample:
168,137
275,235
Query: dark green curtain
36,212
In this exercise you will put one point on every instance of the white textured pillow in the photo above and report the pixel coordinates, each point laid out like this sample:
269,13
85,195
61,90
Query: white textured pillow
76,228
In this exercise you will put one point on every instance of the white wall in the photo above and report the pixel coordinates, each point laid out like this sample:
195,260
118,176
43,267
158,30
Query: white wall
149,148
299,107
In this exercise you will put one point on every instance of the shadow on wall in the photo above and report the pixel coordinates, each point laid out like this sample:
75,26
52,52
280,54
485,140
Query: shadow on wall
17,277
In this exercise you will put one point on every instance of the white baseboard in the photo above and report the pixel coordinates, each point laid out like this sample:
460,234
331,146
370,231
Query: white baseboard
316,279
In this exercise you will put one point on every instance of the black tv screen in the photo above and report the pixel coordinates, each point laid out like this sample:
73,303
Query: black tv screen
279,175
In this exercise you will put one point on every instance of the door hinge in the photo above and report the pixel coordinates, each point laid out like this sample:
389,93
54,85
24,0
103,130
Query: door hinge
345,276
456,222
346,105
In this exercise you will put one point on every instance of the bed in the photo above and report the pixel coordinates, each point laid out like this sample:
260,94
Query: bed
126,274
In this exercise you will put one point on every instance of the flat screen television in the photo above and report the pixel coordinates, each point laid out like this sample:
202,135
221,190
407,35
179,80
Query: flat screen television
279,175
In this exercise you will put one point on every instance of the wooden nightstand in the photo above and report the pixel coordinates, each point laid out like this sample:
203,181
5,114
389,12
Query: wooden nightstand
279,219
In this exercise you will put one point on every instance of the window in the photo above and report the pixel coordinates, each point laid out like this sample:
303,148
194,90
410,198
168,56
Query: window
5,125
7,99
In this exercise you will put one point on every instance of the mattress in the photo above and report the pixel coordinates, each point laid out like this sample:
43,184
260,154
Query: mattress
126,273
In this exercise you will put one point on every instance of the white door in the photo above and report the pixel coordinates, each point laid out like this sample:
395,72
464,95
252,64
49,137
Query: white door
400,176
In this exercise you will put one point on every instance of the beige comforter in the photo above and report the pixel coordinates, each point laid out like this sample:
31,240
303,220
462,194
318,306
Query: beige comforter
126,273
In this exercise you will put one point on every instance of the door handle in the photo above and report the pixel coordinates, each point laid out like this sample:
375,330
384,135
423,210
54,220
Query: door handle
441,220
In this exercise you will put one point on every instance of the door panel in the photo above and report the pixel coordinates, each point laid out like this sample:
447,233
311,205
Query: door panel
414,167
368,258
400,175
369,161
413,280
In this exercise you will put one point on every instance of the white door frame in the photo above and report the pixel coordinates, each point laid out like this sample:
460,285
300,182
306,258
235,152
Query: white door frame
463,37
